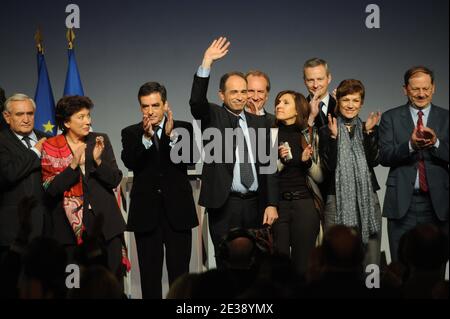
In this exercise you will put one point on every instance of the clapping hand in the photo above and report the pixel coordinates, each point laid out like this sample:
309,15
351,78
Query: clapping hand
169,124
372,120
307,153
78,156
423,139
332,125
147,126
313,108
98,149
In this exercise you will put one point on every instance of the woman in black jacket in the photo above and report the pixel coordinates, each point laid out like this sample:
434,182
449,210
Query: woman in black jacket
349,152
298,224
79,173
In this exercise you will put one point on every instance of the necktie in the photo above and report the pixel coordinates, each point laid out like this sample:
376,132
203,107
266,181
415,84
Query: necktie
247,177
27,141
421,165
322,107
322,114
155,138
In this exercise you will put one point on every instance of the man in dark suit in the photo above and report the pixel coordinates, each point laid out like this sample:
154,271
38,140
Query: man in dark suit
258,88
20,168
2,101
162,210
414,143
236,193
317,78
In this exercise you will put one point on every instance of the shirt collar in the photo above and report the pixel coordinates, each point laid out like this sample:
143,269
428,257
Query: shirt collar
326,99
32,136
425,110
161,124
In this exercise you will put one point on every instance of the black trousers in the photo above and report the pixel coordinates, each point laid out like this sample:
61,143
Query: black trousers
420,212
296,230
235,213
150,250
112,248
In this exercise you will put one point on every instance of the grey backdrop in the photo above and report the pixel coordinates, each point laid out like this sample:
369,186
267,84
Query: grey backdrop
122,44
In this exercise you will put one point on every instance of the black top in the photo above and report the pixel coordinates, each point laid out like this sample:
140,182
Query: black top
293,176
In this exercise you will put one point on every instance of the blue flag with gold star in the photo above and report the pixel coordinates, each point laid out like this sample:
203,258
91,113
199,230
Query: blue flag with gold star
45,103
73,84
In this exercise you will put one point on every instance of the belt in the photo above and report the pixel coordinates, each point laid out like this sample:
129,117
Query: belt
418,192
291,195
244,195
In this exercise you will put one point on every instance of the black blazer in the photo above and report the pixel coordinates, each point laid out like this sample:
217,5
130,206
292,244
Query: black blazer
328,156
98,185
156,176
322,119
270,119
217,177
20,175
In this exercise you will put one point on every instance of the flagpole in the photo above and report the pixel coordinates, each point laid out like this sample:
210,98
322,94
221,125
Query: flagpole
38,39
70,36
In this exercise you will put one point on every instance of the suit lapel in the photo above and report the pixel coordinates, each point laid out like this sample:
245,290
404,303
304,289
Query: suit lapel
406,119
89,158
16,140
433,117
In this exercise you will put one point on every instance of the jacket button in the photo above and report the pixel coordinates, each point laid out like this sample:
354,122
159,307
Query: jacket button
159,191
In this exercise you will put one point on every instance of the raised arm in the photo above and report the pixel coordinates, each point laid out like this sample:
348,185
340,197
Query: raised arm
199,101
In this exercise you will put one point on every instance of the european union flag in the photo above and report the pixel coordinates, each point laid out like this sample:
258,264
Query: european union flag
73,84
45,103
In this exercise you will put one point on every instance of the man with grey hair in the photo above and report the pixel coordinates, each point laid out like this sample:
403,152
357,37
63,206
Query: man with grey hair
20,168
317,78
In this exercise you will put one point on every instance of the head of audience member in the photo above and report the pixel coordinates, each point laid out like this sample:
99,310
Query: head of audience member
213,284
317,77
44,270
97,282
426,248
258,88
152,98
73,116
238,249
291,108
350,98
419,86
233,91
342,249
19,114
2,99
183,286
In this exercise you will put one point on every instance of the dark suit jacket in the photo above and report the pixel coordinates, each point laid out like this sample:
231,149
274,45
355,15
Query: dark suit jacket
20,175
328,154
3,124
270,119
217,177
396,127
322,119
156,176
98,185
